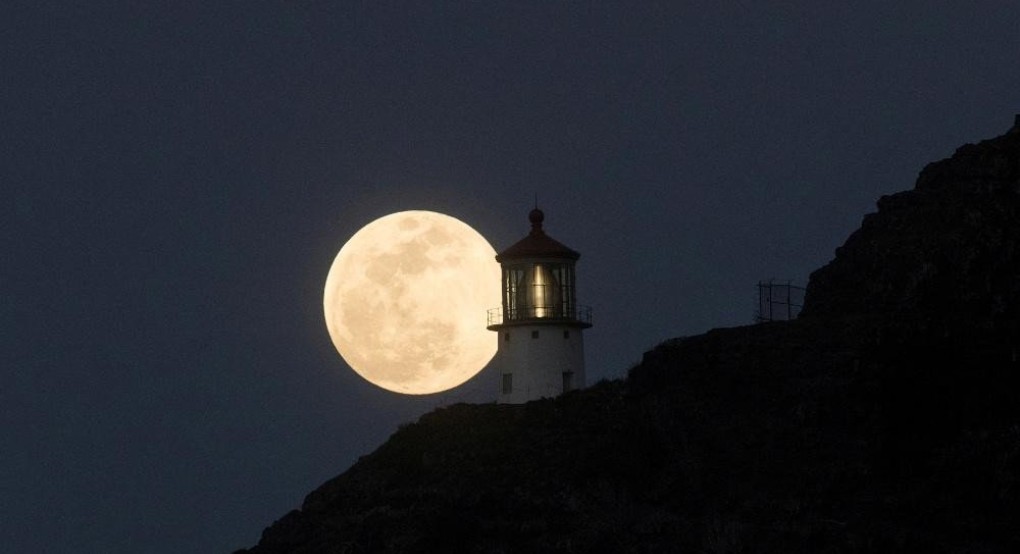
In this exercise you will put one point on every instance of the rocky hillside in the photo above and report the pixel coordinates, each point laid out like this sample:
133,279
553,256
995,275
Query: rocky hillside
946,251
885,419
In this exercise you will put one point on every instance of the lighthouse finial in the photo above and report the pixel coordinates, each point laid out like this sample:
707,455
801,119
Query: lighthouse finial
536,217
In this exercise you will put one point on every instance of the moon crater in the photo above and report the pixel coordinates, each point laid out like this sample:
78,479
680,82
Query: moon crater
405,302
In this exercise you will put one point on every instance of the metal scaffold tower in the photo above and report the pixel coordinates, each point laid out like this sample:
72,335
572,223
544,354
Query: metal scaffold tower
778,301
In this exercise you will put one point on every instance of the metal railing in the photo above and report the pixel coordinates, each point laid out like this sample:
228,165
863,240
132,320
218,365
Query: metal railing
580,314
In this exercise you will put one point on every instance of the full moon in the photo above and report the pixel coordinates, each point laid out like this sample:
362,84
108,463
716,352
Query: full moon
406,299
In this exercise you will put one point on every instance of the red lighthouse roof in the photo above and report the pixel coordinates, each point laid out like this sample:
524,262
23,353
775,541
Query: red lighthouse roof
537,244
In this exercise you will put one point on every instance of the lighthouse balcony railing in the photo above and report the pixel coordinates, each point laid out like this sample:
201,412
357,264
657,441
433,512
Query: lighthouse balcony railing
581,314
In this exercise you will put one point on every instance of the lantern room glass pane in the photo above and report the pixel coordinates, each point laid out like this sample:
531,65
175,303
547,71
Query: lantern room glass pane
543,292
538,290
512,305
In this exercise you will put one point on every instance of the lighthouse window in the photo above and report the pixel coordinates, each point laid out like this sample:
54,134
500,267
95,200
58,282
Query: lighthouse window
566,334
508,383
537,292
506,337
512,300
564,275
534,334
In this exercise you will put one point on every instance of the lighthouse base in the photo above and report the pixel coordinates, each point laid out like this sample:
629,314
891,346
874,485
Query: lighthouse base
538,361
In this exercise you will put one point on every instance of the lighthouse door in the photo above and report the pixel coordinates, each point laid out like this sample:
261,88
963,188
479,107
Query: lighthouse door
568,381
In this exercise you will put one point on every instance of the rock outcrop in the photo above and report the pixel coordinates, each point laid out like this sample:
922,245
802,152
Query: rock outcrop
946,253
885,419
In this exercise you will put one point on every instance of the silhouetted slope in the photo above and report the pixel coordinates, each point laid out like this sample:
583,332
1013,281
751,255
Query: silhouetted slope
885,419
946,251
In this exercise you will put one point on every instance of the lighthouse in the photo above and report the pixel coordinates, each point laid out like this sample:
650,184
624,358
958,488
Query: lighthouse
541,348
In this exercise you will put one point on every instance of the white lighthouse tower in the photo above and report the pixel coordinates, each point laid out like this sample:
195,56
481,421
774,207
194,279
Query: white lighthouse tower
541,350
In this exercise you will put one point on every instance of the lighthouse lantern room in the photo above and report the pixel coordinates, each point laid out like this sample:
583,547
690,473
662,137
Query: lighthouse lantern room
541,349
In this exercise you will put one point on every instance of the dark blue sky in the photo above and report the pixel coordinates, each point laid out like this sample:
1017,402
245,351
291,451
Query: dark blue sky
177,181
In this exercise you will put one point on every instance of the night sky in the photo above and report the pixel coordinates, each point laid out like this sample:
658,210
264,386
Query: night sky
177,181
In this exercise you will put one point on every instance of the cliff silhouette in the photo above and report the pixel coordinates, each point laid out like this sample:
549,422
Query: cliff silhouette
886,418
